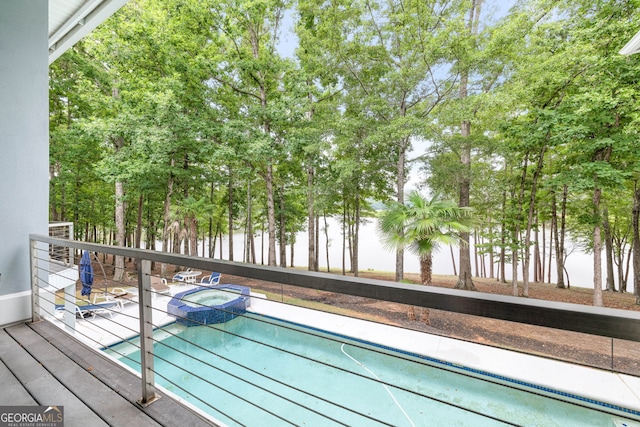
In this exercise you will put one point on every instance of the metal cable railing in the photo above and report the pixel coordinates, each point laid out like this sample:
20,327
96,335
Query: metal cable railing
409,294
110,322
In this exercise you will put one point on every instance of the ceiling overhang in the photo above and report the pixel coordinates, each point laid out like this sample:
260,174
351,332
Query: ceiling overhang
633,46
71,20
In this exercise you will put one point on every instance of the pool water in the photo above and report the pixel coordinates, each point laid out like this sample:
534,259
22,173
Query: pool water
258,371
210,298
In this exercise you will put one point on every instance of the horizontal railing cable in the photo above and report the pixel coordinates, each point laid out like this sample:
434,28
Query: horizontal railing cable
357,374
263,375
609,322
458,301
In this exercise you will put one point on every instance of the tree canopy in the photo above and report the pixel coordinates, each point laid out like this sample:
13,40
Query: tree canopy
181,122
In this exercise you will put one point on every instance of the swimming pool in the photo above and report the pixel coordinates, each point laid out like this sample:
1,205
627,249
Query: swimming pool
259,371
205,305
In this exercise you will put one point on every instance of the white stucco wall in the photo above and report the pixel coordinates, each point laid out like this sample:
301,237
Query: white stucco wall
24,147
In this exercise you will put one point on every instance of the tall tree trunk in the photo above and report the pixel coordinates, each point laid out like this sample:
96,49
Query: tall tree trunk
551,243
230,211
318,241
475,255
249,227
453,261
601,155
120,230
283,230
344,237
464,279
292,256
120,205
119,217
271,215
515,241
491,247
211,236
327,242
400,181
597,250
167,219
503,241
608,249
559,236
356,235
311,221
544,254
192,231
138,240
636,244
530,217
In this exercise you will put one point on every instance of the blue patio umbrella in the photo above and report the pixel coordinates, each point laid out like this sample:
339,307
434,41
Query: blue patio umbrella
86,274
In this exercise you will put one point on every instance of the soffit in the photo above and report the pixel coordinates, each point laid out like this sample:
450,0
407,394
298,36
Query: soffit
70,20
633,46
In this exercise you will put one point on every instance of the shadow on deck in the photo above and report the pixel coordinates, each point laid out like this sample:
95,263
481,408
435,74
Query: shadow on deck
42,365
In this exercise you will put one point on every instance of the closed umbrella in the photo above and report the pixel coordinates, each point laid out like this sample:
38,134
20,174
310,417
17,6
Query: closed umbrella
86,274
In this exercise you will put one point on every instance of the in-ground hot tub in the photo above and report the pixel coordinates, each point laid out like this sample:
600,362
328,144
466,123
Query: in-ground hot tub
207,305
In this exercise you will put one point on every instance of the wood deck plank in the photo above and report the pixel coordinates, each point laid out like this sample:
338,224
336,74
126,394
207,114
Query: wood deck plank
103,401
166,411
44,387
40,364
13,392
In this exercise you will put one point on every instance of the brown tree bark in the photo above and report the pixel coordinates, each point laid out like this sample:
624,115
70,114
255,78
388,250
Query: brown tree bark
464,279
167,218
636,245
608,250
230,211
530,217
597,251
283,231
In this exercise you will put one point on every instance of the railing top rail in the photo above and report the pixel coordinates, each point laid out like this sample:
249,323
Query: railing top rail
608,322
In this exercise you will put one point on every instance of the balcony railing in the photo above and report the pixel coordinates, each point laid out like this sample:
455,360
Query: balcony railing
603,322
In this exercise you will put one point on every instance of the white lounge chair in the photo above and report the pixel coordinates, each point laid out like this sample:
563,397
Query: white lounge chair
83,311
159,286
118,295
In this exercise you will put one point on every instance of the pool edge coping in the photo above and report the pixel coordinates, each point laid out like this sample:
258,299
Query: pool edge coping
559,379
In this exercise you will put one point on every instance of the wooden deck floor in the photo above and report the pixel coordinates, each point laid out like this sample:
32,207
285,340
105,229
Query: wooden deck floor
41,365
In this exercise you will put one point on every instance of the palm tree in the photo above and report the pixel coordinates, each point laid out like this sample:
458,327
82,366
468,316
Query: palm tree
422,225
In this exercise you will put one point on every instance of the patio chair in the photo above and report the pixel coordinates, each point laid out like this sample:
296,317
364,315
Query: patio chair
212,279
119,295
83,311
179,277
159,286
125,296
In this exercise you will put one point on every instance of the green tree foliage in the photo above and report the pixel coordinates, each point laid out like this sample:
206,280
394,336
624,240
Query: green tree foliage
180,119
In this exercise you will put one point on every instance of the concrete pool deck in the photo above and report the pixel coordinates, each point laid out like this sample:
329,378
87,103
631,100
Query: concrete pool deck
618,390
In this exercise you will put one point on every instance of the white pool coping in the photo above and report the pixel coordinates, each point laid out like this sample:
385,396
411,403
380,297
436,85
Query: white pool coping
611,388
590,383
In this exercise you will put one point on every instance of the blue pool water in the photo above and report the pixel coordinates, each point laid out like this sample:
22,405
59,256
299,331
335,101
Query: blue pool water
258,371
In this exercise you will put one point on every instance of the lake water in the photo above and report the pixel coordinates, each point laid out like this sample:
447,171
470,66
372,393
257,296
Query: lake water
372,256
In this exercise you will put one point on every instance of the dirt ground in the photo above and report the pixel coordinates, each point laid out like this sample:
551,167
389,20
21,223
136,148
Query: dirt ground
570,346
